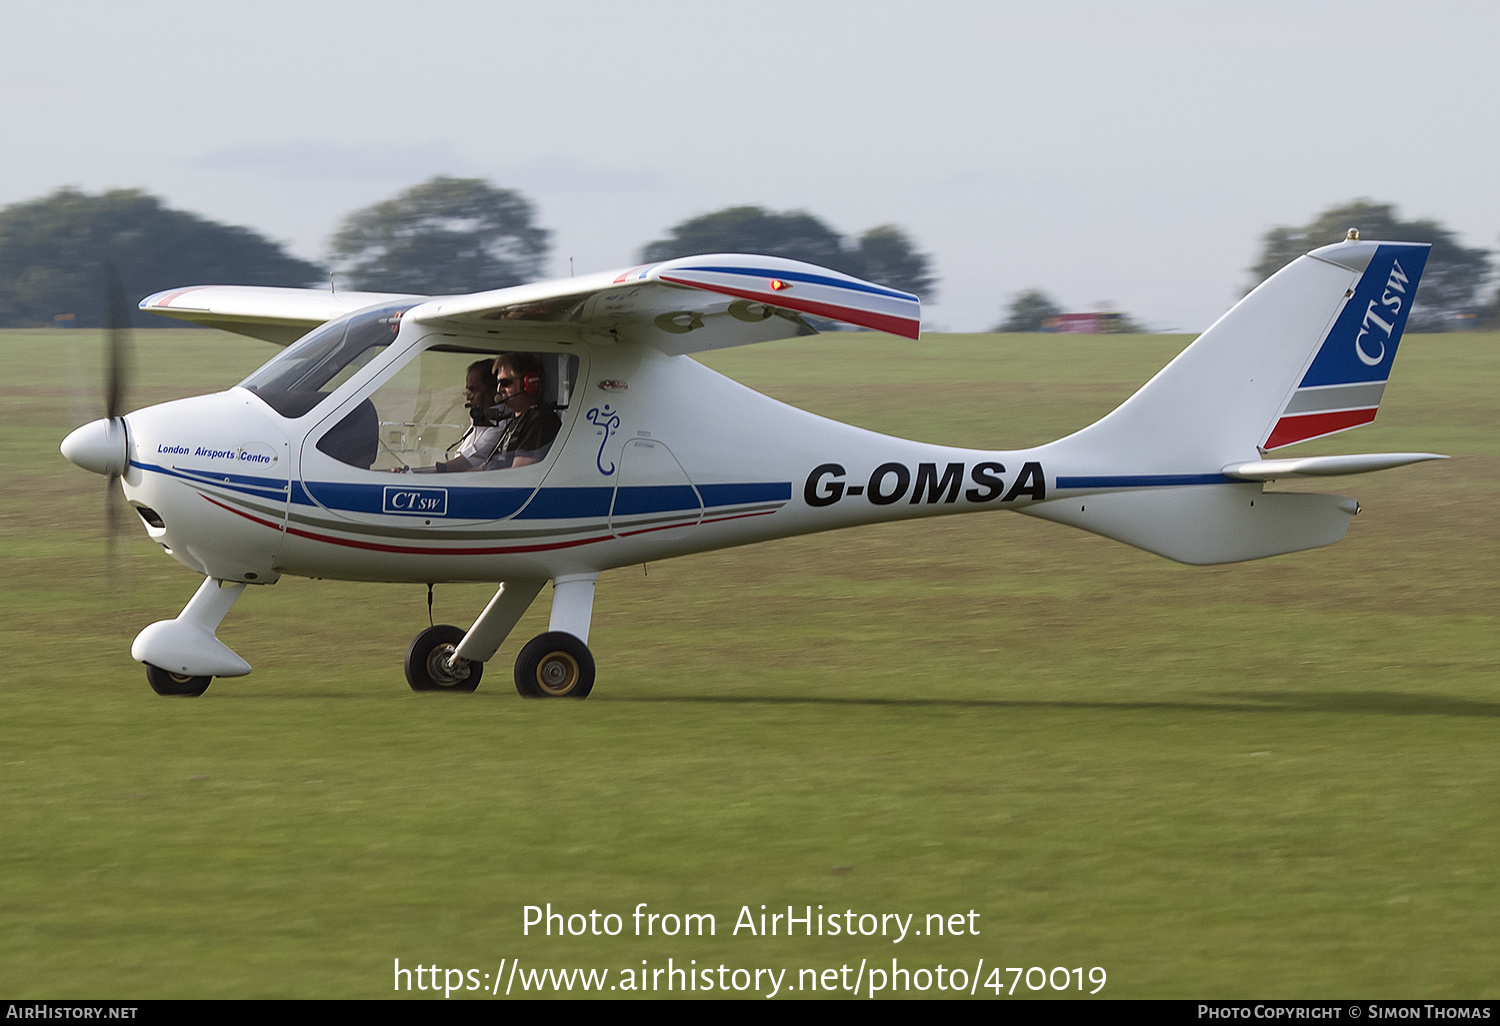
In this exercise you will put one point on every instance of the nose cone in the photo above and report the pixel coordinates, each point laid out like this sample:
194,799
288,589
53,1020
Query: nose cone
99,446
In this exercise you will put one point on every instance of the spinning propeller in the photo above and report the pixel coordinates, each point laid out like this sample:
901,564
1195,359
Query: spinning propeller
116,354
100,446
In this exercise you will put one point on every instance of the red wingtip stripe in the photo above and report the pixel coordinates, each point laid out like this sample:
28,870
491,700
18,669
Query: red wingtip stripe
906,327
1314,425
179,293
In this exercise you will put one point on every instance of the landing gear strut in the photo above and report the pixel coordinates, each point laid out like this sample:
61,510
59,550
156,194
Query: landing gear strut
557,664
182,655
431,664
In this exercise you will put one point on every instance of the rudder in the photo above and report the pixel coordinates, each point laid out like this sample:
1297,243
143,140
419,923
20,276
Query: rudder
1345,379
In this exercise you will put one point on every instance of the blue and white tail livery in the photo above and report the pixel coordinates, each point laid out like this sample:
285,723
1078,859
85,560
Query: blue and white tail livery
636,452
1346,377
1304,355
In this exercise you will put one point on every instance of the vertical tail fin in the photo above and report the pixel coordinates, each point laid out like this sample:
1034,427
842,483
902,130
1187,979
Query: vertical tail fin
1304,355
1343,383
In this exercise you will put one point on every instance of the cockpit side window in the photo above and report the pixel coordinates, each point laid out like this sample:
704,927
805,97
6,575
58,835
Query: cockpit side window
421,419
310,369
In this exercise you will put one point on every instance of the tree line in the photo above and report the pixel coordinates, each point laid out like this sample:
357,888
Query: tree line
445,236
459,235
1448,298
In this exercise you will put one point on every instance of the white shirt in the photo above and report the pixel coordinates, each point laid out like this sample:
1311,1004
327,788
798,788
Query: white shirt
480,445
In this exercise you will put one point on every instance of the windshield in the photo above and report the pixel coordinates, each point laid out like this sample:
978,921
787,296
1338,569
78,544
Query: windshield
308,372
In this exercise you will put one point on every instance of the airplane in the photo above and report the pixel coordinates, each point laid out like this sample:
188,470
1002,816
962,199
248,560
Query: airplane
324,463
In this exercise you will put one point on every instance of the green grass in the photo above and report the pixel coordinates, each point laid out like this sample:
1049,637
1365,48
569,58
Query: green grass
1271,779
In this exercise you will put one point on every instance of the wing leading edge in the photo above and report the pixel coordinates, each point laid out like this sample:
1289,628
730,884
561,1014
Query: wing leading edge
274,314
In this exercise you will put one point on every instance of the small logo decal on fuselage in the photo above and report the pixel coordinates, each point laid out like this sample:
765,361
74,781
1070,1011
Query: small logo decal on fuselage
607,421
251,452
429,502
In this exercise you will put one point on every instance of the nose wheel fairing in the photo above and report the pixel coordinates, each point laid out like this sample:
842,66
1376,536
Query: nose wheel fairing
186,646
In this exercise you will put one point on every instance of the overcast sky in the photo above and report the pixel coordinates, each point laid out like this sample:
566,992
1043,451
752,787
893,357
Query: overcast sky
1129,153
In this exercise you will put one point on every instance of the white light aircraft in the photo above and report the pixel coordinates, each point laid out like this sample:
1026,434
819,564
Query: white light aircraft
654,455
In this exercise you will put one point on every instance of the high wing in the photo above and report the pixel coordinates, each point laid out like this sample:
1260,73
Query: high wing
687,305
276,315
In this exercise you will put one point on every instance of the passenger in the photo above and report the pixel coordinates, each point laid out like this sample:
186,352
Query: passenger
521,383
487,414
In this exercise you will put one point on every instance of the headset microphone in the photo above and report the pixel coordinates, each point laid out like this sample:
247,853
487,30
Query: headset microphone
489,416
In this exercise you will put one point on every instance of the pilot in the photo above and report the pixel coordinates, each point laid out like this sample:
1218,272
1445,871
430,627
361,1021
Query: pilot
487,413
521,384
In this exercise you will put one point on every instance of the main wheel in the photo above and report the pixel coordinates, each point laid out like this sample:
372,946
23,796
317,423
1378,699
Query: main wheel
164,682
555,665
427,662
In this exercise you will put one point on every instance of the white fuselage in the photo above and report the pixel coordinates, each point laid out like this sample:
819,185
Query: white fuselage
657,456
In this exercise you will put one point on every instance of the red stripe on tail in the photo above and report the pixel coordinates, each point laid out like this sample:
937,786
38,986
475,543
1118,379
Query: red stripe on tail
1314,425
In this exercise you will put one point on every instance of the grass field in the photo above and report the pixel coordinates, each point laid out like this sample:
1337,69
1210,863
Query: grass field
1275,779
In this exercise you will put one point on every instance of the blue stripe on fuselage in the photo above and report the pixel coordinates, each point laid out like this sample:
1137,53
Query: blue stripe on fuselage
463,503
1143,480
249,484
470,503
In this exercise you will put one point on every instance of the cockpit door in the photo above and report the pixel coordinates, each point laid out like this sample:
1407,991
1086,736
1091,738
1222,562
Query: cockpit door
372,458
653,493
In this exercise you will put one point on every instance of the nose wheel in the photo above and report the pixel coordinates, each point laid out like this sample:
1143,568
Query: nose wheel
428,665
555,665
164,682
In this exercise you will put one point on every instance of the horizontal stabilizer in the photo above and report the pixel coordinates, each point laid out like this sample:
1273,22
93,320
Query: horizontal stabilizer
1325,466
1200,524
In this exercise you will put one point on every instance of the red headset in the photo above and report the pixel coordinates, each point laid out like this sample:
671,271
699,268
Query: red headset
531,384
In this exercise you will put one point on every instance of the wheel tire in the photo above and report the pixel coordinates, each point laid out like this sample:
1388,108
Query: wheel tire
164,682
555,665
424,669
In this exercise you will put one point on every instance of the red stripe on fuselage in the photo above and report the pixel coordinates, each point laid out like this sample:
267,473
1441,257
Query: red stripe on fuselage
499,551
411,550
1313,425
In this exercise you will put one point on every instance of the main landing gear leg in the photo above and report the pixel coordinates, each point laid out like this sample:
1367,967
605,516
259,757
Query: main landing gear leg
182,655
446,658
558,664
